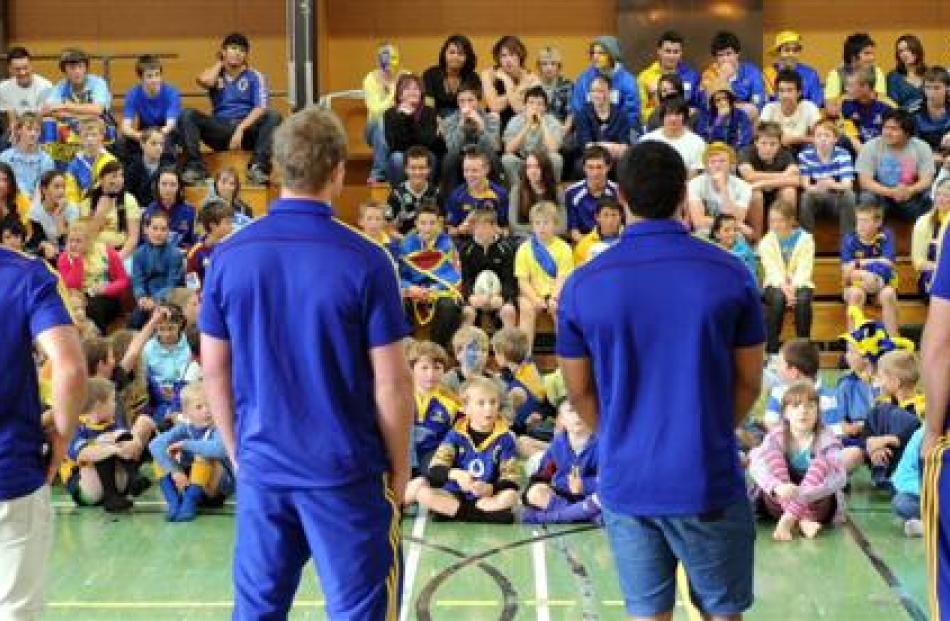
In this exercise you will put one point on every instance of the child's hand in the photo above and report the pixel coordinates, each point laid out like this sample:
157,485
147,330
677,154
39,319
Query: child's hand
881,456
482,489
127,450
877,443
464,480
174,450
786,491
574,482
180,479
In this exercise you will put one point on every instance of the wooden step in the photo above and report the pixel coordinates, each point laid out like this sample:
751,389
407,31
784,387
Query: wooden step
257,196
829,319
827,277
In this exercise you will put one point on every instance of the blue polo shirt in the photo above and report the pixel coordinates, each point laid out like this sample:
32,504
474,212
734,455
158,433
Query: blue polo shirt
302,299
32,299
941,289
671,309
152,111
234,98
582,205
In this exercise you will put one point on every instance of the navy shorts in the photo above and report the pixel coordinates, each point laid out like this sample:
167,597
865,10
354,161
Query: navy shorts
716,550
351,532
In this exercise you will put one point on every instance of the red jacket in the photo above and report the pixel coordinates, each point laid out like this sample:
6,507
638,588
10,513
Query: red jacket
73,273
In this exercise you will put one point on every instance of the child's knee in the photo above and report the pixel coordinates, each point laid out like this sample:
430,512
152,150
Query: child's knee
539,495
888,295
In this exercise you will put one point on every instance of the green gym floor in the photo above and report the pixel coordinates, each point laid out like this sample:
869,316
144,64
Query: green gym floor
138,566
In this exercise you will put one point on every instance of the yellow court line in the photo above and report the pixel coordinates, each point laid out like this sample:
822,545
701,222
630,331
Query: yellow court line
160,605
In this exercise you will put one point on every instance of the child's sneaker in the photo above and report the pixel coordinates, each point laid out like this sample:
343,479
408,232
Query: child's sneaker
913,528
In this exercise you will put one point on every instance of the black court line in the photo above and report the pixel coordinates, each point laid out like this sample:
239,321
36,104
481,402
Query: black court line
581,577
510,603
887,574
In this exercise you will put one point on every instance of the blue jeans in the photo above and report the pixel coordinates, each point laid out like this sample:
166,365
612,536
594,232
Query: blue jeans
715,548
375,135
906,506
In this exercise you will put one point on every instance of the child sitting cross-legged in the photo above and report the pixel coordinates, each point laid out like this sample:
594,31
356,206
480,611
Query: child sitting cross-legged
564,488
867,265
190,459
167,357
798,472
525,387
473,475
103,456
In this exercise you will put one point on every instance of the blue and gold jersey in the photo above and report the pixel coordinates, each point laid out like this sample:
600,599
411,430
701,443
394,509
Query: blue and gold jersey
464,201
87,433
436,413
881,247
560,459
528,378
492,461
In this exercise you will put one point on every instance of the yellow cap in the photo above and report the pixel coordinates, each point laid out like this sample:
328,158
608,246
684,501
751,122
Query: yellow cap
785,36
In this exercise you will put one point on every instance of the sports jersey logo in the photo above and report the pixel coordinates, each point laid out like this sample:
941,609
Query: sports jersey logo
476,468
243,84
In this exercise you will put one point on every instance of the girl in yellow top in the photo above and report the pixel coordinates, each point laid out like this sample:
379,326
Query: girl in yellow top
379,89
542,264
116,215
787,253
928,231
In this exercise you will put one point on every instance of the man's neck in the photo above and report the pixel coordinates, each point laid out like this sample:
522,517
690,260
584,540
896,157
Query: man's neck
597,188
324,195
674,133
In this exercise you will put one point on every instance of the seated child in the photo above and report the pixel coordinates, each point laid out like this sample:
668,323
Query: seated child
157,267
610,220
430,274
25,157
406,197
542,264
167,357
470,345
788,264
141,173
867,265
437,408
84,169
798,360
474,474
524,385
906,481
798,472
488,271
891,421
717,191
102,457
725,232
226,185
476,193
565,487
769,168
191,461
372,221
217,220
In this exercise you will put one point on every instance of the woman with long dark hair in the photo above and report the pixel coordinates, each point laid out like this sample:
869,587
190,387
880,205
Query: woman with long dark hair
905,83
116,215
456,67
536,183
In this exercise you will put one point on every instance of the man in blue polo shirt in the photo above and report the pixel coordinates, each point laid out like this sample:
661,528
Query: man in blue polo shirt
150,103
34,310
935,372
580,198
308,383
666,364
240,117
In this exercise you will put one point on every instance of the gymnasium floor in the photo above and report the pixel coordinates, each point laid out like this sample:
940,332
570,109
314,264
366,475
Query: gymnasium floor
138,566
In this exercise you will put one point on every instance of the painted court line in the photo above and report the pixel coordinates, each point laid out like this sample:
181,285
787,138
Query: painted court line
412,563
540,579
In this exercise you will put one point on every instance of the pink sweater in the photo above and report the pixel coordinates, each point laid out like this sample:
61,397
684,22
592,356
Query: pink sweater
73,273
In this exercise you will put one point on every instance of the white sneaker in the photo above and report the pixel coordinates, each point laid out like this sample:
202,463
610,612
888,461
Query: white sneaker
913,528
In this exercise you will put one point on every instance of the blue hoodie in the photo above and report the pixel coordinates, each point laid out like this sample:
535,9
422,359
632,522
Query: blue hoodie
156,270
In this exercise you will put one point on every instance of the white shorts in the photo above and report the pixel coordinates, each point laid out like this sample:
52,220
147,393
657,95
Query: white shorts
26,536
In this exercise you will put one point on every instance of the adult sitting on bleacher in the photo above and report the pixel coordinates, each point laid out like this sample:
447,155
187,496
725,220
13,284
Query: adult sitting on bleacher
858,53
933,117
896,170
787,48
905,83
152,103
240,117
25,91
78,96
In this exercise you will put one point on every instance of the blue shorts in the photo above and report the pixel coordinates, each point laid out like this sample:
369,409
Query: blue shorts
716,549
935,511
351,532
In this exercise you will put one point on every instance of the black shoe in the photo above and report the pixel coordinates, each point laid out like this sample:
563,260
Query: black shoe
138,485
117,504
258,175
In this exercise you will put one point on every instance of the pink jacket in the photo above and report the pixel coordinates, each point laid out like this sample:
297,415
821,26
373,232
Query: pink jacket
73,273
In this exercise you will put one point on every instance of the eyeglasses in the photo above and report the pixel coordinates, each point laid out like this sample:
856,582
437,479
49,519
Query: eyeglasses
792,47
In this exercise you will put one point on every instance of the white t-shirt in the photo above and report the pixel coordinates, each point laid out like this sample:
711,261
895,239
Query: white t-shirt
800,121
701,189
689,145
19,99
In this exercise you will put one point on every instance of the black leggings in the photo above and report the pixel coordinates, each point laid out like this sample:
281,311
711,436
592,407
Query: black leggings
775,315
103,310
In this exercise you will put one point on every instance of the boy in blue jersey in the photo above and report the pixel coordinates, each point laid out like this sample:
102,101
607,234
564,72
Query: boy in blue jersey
83,170
437,408
157,268
312,358
102,457
581,198
240,117
728,72
152,103
473,475
863,106
522,381
564,489
868,259
431,276
478,192
191,461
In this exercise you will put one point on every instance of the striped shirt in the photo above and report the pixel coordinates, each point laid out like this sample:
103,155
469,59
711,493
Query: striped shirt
839,167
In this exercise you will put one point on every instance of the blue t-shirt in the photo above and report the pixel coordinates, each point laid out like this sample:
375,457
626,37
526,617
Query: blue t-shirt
869,119
152,111
671,310
234,98
300,330
941,287
33,300
93,90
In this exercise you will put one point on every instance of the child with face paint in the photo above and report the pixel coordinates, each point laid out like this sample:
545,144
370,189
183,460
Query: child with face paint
606,60
379,88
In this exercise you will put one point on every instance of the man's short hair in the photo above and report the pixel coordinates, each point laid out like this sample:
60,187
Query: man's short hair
474,151
536,92
768,129
237,39
418,152
724,40
73,56
676,106
803,355
652,177
596,152
214,211
308,147
789,76
17,53
670,36
147,62
903,118
96,351
853,46
471,85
